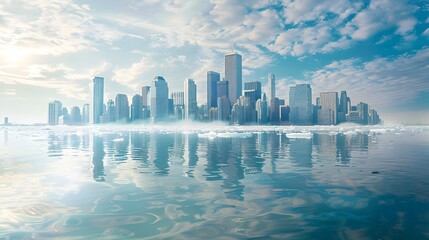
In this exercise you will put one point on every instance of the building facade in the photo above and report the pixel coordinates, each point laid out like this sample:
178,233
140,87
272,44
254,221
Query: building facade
300,104
212,79
233,74
190,95
98,98
159,99
329,105
122,108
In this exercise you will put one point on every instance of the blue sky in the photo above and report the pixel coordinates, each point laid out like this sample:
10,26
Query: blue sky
376,50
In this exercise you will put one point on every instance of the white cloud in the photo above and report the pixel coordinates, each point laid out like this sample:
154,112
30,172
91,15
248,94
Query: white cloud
298,12
51,27
132,76
383,82
381,15
426,32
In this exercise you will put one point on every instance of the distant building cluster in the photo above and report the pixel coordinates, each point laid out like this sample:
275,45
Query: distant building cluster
227,101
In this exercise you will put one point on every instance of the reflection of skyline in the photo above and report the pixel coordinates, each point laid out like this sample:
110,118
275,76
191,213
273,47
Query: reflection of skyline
228,160
249,184
98,158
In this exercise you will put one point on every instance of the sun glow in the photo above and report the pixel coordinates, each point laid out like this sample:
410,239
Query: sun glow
13,55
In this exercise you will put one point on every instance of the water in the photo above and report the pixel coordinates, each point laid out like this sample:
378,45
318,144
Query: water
224,182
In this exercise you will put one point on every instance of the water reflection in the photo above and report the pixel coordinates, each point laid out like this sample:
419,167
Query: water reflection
184,185
227,159
97,159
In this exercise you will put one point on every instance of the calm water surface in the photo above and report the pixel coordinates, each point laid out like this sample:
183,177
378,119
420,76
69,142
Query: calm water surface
117,183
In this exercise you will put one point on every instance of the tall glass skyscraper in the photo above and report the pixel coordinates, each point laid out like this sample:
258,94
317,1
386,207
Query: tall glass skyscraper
262,110
137,108
212,79
55,109
146,96
110,111
300,104
223,89
85,113
329,106
233,74
253,90
190,99
343,108
178,98
363,110
122,108
159,99
98,96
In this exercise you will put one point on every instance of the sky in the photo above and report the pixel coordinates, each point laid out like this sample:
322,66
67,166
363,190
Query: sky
378,51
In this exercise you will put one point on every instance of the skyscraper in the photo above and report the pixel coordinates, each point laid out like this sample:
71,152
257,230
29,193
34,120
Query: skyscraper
374,118
343,109
98,98
329,107
275,111
85,113
272,85
159,99
190,99
110,111
254,87
178,98
212,79
284,114
300,104
233,74
75,116
146,96
55,109
363,110
137,108
262,110
223,89
223,108
122,108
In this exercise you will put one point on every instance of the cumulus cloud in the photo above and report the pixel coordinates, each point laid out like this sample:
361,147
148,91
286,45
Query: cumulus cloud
382,15
131,76
129,42
50,27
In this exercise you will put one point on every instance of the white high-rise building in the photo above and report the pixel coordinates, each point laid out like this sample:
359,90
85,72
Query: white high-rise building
98,98
190,99
262,110
85,113
55,109
233,74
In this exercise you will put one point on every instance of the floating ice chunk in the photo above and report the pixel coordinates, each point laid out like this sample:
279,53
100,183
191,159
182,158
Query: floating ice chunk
234,134
210,135
376,130
350,132
306,135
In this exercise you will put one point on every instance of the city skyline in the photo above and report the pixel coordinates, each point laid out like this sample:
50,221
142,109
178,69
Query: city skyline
334,47
251,108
